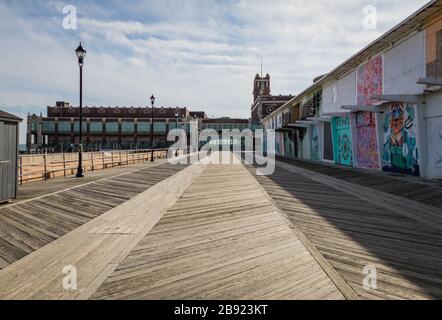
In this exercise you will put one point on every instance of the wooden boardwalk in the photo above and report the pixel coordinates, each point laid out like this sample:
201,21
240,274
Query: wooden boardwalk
351,234
420,190
223,239
30,225
220,232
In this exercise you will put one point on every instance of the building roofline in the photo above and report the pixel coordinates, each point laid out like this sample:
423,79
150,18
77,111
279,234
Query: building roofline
412,23
9,117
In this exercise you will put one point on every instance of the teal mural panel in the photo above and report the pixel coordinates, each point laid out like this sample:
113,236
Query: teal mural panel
342,142
400,152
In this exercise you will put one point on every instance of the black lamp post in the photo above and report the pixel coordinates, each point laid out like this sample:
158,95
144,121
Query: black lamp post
152,102
176,127
81,54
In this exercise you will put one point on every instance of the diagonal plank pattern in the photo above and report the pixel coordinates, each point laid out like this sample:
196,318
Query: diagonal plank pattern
95,248
223,239
420,190
28,226
352,233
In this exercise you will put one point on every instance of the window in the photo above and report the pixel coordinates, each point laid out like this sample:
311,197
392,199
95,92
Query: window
96,126
48,126
127,127
143,127
111,127
159,127
64,126
77,126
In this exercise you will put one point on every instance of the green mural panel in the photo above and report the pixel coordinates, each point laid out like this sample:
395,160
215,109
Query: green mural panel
342,141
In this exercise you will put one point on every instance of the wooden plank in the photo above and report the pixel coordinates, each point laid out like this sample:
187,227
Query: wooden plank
407,253
31,224
39,275
223,239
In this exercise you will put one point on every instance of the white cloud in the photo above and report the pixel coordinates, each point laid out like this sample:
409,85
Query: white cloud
199,54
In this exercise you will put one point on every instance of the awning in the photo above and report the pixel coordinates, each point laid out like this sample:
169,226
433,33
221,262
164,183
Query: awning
336,114
362,108
410,98
432,81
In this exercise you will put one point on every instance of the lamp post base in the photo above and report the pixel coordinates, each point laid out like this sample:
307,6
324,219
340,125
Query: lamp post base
80,173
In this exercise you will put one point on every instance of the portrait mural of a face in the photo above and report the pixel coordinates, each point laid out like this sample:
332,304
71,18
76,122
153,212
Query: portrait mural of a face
400,152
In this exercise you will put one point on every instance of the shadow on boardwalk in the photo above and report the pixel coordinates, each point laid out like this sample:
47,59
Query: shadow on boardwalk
352,233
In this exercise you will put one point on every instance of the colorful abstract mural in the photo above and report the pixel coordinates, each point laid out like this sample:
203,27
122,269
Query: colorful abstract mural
369,81
342,143
400,152
315,143
367,155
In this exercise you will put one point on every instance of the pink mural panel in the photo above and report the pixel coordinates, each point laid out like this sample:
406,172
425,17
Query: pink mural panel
367,146
369,81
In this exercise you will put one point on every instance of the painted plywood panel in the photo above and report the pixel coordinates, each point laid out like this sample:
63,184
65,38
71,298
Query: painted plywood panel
8,156
369,81
434,129
403,64
367,155
328,142
315,143
400,150
342,141
279,143
288,145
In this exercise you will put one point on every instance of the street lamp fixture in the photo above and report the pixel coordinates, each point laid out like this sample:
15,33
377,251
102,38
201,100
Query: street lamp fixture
152,103
81,54
176,127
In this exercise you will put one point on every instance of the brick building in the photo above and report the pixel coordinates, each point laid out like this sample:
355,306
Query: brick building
114,127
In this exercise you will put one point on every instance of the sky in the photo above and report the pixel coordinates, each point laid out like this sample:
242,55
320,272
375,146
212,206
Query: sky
199,54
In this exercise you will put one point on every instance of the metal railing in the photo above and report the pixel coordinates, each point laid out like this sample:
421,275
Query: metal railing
48,166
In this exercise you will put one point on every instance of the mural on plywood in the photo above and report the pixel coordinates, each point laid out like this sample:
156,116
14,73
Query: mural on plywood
342,141
367,146
400,152
288,144
315,143
328,142
279,143
435,150
369,84
369,81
